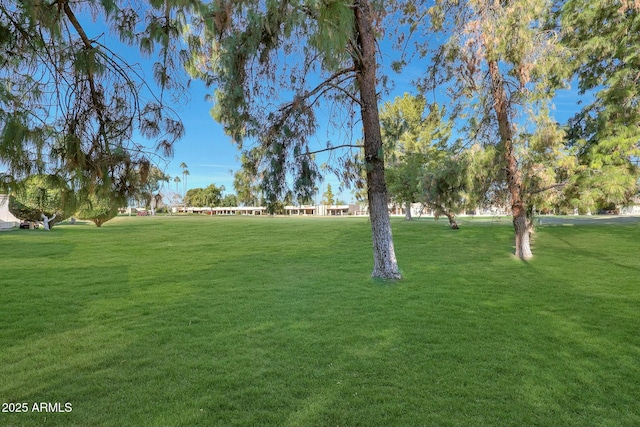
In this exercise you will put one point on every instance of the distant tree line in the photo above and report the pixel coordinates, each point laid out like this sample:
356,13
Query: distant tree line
211,196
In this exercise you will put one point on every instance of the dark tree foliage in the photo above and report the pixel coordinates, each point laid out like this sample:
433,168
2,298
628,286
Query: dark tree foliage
603,37
98,208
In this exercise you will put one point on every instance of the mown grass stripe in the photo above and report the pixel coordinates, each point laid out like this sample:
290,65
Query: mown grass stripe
275,321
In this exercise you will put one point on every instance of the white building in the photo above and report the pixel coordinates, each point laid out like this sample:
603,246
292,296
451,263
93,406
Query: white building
235,210
7,220
323,210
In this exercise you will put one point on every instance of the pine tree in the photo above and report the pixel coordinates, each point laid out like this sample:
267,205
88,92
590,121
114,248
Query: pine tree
501,65
274,63
603,37
69,105
328,197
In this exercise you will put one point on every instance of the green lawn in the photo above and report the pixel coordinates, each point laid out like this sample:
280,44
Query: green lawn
274,321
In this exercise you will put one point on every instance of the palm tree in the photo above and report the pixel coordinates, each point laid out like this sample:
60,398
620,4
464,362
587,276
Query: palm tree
177,181
185,173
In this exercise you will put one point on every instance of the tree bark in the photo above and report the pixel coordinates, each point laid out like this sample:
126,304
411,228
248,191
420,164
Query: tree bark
453,224
523,246
153,203
384,257
514,177
407,213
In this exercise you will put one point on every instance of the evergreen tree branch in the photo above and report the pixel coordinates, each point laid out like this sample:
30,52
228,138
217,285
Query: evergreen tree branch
550,187
336,147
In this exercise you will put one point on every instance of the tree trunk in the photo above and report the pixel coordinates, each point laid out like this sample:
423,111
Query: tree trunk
384,257
407,213
453,224
46,221
514,177
521,226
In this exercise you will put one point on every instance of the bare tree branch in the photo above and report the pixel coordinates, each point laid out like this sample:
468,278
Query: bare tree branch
308,153
550,187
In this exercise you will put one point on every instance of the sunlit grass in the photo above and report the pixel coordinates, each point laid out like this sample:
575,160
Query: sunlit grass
275,321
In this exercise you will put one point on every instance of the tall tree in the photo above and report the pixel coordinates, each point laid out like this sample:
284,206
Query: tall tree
412,132
210,196
246,180
311,52
230,200
42,198
497,62
484,171
185,174
328,198
603,37
404,179
144,191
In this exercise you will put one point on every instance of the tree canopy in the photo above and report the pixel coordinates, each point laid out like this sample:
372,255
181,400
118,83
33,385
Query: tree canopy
501,63
210,196
328,198
98,208
40,195
603,37
416,137
72,106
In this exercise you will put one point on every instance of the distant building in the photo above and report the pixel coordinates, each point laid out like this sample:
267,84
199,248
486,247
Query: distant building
306,210
323,210
633,208
301,210
420,209
7,220
232,210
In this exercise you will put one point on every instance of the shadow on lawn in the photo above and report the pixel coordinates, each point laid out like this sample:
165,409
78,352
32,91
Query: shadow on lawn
613,259
588,372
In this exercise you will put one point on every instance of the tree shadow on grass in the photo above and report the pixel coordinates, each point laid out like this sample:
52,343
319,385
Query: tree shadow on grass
613,259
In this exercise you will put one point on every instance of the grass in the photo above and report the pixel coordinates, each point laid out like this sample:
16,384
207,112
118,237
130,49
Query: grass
272,321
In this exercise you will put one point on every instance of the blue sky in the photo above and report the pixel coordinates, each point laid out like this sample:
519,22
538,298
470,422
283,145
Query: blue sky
212,158
208,152
210,155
